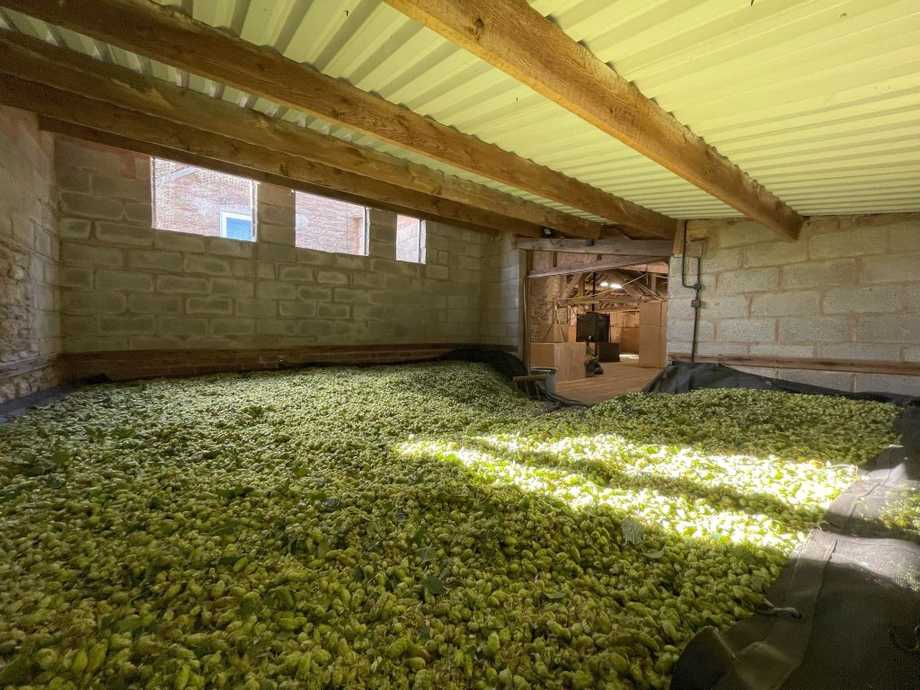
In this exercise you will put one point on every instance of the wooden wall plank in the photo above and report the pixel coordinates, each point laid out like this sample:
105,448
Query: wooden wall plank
811,363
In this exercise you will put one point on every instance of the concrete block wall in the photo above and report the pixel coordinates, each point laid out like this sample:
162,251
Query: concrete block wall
503,275
128,286
848,289
29,251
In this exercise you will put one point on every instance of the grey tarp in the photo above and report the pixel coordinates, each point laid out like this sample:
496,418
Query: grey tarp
852,592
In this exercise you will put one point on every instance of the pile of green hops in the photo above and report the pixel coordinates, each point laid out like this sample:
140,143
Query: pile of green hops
418,526
904,513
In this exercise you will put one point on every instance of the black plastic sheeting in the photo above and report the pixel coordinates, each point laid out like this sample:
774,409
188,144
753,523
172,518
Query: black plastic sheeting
685,377
19,406
505,363
848,603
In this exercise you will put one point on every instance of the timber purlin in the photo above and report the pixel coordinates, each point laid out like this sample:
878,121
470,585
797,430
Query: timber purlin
517,39
68,88
123,365
171,37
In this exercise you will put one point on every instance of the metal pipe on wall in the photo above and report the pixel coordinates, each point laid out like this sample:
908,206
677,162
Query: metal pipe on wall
697,287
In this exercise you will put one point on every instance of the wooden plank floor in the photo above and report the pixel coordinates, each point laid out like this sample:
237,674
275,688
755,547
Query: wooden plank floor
618,378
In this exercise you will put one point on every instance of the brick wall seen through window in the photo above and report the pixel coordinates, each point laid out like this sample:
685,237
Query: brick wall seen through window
201,201
410,239
329,225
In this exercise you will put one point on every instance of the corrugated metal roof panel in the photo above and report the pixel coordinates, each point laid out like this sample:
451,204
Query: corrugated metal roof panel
818,100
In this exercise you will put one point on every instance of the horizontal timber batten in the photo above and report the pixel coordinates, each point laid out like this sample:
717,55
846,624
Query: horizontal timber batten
371,193
650,264
515,37
620,246
77,89
843,365
125,365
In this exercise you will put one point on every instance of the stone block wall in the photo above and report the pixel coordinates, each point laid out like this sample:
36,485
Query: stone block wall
541,313
127,286
847,290
29,250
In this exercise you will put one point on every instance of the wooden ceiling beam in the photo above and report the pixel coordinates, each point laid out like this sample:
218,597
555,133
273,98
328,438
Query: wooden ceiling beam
657,264
517,39
379,196
600,297
36,61
168,35
93,120
413,204
623,246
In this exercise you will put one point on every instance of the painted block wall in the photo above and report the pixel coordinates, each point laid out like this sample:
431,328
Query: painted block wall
127,286
29,249
847,289
503,271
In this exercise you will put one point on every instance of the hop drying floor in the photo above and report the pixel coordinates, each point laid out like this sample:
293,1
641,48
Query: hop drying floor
418,526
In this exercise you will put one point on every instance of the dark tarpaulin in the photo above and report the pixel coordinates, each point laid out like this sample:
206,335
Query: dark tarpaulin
505,363
848,603
684,377
19,406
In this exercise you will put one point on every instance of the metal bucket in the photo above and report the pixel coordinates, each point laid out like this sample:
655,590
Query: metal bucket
550,383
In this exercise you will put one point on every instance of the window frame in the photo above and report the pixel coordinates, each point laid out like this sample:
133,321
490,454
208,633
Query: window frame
233,215
366,240
252,216
421,243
